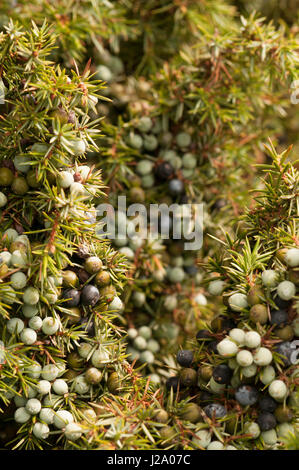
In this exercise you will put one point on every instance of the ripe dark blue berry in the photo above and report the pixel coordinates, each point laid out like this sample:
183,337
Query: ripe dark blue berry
215,410
266,421
278,317
184,199
176,187
228,324
219,204
212,347
206,396
203,335
188,377
222,374
246,395
172,382
90,295
191,270
88,326
285,350
185,357
73,296
268,404
282,304
164,170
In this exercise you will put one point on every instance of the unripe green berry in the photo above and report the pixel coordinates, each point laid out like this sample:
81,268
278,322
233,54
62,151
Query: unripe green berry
191,412
28,336
3,199
62,418
202,438
50,372
215,445
60,387
253,429
284,430
18,280
70,279
292,257
32,179
93,264
238,336
259,314
147,357
73,431
29,311
216,287
189,161
160,416
31,296
35,323
34,370
262,357
93,376
50,326
145,332
116,304
99,358
269,437
286,290
102,279
21,415
216,387
19,186
150,142
33,406
176,274
238,302
41,431
183,139
267,375
153,345
278,390
22,163
170,303
65,179
249,371
47,415
43,387
255,295
144,124
270,278
227,348
244,358
6,176
84,350
104,73
132,333
15,325
80,385
10,235
78,147
5,257
138,298
135,141
18,259
140,343
252,339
